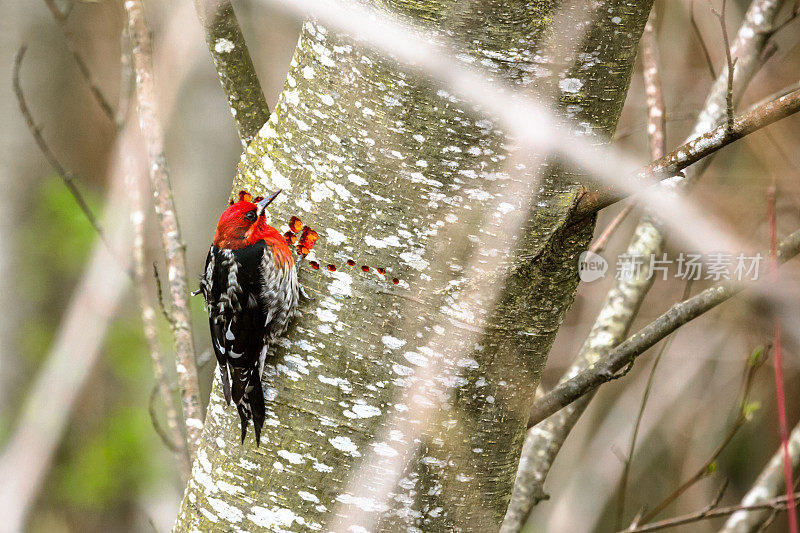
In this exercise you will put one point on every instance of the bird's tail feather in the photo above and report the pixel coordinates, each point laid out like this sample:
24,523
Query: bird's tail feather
249,398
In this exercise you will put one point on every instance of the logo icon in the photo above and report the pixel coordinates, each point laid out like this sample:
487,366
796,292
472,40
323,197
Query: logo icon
591,266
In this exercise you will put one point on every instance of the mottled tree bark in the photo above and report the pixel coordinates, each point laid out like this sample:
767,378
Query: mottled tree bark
393,172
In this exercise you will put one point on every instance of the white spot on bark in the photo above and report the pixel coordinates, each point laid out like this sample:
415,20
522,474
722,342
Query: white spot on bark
345,445
505,208
402,370
369,505
358,180
416,359
307,496
467,362
570,85
202,459
384,450
338,382
414,260
335,237
225,511
393,343
341,285
224,46
294,458
365,411
391,240
272,518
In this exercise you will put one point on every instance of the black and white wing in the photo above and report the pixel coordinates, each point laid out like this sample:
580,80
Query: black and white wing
250,301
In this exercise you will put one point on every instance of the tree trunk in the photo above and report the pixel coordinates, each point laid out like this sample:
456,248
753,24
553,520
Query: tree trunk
384,165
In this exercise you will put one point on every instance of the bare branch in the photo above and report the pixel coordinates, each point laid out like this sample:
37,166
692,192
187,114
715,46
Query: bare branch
697,149
770,483
97,93
623,482
625,354
170,232
234,66
777,504
656,111
743,414
172,436
173,445
731,63
127,83
656,116
703,47
66,176
780,393
600,243
162,305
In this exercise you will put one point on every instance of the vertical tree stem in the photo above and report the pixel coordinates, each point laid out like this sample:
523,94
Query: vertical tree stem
235,69
170,232
149,325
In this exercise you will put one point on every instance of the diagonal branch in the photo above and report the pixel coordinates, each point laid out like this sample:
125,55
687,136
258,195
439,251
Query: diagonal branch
61,18
66,176
743,414
235,69
697,149
769,484
170,232
703,47
774,504
626,353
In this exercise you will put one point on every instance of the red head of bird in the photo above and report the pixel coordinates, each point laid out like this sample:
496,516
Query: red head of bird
244,223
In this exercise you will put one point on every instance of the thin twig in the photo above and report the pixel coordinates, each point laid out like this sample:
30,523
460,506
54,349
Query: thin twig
61,19
703,47
173,446
730,62
744,411
162,305
777,504
780,394
623,482
600,243
170,232
626,352
66,176
51,396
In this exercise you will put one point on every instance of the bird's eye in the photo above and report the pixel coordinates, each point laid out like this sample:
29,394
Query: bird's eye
251,216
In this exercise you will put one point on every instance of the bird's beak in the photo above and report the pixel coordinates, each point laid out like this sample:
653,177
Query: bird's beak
262,205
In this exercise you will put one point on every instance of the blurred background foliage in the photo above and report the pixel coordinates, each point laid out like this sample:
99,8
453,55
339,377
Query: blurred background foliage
112,473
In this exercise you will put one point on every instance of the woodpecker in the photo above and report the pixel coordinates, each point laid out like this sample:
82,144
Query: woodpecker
251,291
